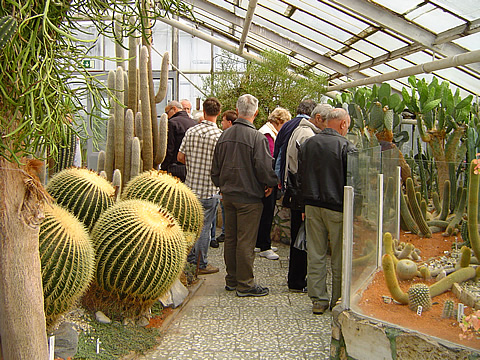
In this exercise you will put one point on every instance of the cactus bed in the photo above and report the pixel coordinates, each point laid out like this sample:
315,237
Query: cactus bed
372,302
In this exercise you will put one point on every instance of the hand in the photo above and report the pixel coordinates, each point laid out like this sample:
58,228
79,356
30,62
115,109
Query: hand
303,216
268,191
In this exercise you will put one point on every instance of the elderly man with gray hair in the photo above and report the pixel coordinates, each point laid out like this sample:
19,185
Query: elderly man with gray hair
242,168
297,264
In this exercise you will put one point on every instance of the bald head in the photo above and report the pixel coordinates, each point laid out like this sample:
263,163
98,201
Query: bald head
339,120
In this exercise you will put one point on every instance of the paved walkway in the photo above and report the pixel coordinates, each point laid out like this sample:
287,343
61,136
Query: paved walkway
216,324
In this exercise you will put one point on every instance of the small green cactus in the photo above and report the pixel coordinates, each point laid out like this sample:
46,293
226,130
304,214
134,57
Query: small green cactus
419,295
83,192
140,252
8,27
173,195
448,309
406,269
67,258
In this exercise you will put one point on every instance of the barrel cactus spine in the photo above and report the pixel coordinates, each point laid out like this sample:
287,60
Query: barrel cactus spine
67,258
169,192
83,192
140,252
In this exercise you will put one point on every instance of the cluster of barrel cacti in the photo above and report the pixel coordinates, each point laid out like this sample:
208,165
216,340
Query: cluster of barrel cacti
130,250
136,139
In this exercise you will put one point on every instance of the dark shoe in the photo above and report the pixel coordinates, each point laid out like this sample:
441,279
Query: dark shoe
257,290
214,243
230,288
221,238
209,269
319,308
304,290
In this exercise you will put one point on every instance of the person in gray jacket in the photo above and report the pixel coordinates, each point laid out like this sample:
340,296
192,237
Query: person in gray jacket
297,261
242,168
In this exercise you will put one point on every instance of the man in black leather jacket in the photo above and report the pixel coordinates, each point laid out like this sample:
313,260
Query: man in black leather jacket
322,174
178,123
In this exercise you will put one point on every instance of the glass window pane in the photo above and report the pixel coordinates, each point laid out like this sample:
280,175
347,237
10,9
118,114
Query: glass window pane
368,48
194,53
435,20
398,6
386,41
470,42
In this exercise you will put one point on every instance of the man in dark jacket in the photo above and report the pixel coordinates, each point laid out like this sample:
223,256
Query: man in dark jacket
242,168
297,264
322,174
178,123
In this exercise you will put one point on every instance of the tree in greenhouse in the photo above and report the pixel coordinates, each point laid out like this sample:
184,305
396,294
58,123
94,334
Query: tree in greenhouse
40,53
272,81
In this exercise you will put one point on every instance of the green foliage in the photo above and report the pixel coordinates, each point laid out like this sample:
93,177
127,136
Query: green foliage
67,259
83,192
116,341
43,58
8,26
272,81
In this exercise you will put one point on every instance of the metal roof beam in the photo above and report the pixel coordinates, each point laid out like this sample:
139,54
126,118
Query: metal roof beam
396,23
270,35
252,4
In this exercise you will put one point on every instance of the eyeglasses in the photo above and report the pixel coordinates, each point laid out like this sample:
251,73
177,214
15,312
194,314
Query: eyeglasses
167,111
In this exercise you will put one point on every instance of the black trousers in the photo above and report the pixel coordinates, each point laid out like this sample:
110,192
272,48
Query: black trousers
264,242
297,265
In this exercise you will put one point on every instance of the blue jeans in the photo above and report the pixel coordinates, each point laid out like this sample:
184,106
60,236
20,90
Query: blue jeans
200,249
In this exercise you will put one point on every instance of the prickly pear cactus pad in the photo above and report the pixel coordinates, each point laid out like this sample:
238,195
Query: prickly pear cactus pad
67,258
140,252
83,192
170,193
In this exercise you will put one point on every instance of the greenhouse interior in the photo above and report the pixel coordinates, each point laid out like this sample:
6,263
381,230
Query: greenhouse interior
96,236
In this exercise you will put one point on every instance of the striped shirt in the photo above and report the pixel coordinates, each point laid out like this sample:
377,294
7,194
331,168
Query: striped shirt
198,146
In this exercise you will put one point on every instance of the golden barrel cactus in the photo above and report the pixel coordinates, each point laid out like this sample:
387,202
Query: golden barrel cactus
83,192
173,195
67,258
140,252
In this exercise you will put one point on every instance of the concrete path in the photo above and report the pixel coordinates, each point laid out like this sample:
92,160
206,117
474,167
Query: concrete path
216,324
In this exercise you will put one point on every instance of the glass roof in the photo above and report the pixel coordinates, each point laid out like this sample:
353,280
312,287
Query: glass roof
351,39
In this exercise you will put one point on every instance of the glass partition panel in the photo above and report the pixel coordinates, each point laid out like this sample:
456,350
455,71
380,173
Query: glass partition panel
363,169
391,217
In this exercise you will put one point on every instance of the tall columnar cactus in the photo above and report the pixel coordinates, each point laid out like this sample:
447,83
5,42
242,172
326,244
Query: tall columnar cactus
66,151
416,211
170,193
132,73
147,137
407,216
83,192
472,210
136,165
67,258
162,89
162,139
129,134
140,252
119,121
101,161
459,211
446,200
110,148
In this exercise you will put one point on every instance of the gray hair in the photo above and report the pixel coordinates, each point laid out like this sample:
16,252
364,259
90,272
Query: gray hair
322,110
174,103
247,105
337,114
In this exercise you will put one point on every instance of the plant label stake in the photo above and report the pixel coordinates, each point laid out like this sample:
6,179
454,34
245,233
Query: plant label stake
419,310
51,347
98,346
460,312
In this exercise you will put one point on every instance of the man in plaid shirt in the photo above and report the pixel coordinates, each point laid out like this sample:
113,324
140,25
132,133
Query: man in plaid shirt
196,151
